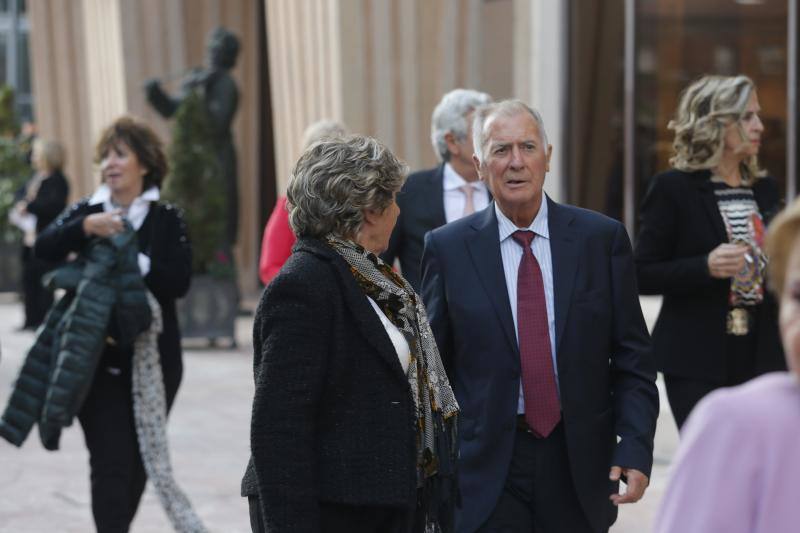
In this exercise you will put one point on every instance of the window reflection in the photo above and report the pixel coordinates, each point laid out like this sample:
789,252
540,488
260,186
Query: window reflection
23,65
688,39
594,169
3,62
677,41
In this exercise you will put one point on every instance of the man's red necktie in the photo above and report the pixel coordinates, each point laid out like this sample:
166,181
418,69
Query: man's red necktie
542,410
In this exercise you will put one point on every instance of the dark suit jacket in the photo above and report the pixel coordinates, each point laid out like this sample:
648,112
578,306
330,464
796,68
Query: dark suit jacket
605,367
421,203
681,224
333,418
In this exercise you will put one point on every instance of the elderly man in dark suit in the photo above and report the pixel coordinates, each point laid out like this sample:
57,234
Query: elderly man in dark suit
535,310
431,198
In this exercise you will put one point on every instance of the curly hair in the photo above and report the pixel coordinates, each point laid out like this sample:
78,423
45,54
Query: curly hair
707,107
142,140
336,180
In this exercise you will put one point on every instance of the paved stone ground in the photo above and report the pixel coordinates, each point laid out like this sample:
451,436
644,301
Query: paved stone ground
43,491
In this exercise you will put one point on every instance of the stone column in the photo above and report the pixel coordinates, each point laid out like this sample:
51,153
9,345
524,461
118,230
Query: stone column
540,74
381,66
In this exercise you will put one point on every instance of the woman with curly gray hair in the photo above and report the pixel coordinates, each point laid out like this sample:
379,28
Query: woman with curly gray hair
700,246
354,422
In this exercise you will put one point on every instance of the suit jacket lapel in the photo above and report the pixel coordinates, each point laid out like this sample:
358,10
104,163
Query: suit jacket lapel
436,196
709,201
484,249
565,256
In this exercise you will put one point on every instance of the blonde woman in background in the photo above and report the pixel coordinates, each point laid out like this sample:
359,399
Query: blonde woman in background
40,202
700,246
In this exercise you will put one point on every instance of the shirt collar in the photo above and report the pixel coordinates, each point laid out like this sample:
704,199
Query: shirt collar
138,209
103,195
453,180
539,225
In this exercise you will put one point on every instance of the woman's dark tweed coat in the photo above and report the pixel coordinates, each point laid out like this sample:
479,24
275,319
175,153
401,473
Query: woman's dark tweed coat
333,416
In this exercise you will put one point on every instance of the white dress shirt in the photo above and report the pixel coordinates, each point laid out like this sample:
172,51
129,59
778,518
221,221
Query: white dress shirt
396,336
454,197
511,254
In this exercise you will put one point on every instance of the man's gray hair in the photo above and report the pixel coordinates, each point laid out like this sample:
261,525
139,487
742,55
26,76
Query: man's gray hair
450,116
336,180
505,108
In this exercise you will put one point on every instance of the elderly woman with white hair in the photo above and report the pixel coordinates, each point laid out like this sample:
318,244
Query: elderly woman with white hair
701,246
354,422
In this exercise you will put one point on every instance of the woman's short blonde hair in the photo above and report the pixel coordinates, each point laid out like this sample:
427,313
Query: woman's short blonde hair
782,237
707,107
50,154
336,180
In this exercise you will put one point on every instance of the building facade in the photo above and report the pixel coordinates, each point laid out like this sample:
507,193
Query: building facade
606,75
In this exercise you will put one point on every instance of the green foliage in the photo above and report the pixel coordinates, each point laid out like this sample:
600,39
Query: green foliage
195,183
14,169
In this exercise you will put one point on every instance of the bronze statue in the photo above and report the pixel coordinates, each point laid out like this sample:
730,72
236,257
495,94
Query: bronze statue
222,99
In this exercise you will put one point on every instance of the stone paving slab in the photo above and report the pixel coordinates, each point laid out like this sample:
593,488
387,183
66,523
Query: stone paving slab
44,491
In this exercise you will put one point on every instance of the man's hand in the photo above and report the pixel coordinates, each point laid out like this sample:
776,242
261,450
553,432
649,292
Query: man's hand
637,483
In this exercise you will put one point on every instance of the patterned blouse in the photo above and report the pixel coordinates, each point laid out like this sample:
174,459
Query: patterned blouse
744,225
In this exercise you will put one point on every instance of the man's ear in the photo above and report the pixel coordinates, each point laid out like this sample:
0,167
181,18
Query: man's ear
452,143
477,164
549,155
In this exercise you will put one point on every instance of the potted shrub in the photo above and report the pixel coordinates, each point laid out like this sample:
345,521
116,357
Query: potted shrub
195,184
14,171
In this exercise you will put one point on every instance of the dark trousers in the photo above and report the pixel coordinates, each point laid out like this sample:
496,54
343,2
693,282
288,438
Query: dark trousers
538,496
339,518
38,300
684,393
117,473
